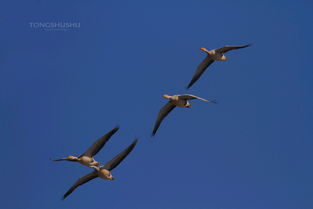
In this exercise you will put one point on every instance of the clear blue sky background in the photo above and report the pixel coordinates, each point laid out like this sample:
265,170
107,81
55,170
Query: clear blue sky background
61,90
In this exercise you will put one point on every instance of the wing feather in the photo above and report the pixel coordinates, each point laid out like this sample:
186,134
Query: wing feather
81,181
200,70
97,146
120,157
166,109
191,97
64,159
229,48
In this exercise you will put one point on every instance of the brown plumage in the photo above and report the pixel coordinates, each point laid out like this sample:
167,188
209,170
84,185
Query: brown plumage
104,171
175,100
212,55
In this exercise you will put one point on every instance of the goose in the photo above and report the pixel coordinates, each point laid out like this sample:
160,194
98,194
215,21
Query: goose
87,157
212,55
175,100
104,171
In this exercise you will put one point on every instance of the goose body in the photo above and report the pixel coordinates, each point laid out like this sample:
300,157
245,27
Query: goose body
177,101
87,161
215,55
105,174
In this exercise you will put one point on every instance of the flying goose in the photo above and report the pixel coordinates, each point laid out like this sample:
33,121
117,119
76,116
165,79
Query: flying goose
175,100
212,55
104,171
87,157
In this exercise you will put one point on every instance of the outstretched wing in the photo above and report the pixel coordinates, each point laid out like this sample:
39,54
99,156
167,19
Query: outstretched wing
191,97
229,48
65,159
81,181
120,157
162,114
97,146
200,70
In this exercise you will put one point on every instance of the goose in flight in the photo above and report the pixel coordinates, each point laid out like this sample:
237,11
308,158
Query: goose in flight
212,55
104,171
175,100
87,157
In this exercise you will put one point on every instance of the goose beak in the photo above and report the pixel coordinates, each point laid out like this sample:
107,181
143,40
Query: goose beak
204,49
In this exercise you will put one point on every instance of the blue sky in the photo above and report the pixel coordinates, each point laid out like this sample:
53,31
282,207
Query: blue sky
61,90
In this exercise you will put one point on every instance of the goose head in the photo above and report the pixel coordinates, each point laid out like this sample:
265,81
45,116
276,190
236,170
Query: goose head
166,96
205,50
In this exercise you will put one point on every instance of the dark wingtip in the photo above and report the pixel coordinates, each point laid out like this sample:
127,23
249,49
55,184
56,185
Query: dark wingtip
133,144
55,160
215,102
135,140
117,127
114,130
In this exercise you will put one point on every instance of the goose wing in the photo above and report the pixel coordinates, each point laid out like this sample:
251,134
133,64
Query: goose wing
81,181
200,70
166,109
120,157
64,159
229,48
97,146
191,97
